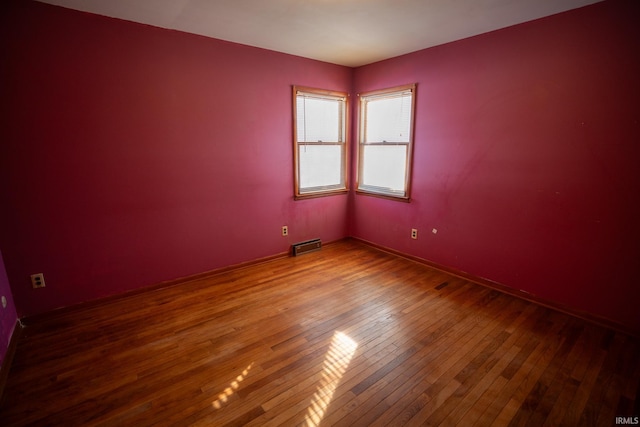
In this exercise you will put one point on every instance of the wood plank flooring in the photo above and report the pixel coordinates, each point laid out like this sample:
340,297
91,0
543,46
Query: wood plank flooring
347,336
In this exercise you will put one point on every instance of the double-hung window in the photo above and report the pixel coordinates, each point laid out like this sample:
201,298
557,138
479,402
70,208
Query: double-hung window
386,142
320,142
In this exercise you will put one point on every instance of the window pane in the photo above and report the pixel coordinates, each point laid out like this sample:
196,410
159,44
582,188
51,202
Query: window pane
388,119
318,119
384,166
320,166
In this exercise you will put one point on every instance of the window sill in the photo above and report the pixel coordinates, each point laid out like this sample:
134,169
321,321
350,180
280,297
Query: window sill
384,196
320,194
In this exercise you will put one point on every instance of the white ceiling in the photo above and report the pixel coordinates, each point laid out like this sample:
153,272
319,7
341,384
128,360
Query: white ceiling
346,32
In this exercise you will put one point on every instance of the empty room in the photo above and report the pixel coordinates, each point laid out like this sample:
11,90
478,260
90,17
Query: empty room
319,212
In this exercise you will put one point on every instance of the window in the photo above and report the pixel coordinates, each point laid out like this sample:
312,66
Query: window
319,137
386,142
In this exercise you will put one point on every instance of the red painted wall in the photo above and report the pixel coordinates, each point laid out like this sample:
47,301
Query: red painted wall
132,155
527,143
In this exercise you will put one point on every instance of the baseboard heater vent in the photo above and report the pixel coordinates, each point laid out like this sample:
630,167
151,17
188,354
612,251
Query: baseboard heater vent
304,247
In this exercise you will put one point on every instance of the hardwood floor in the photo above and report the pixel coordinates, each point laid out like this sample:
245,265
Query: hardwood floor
348,336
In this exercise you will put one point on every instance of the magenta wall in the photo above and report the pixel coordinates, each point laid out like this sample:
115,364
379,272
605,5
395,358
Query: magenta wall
8,314
133,155
527,143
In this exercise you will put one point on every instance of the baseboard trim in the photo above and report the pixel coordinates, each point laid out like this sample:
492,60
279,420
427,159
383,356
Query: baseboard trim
8,358
44,317
49,315
591,318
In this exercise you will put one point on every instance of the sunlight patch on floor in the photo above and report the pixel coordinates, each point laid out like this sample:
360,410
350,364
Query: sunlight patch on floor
233,386
335,364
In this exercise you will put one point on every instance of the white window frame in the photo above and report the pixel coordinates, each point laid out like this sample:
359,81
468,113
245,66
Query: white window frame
343,137
403,194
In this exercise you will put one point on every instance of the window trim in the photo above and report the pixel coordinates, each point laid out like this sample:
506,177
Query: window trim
321,192
370,190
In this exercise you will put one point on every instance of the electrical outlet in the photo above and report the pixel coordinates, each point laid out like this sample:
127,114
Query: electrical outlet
414,233
285,230
37,280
